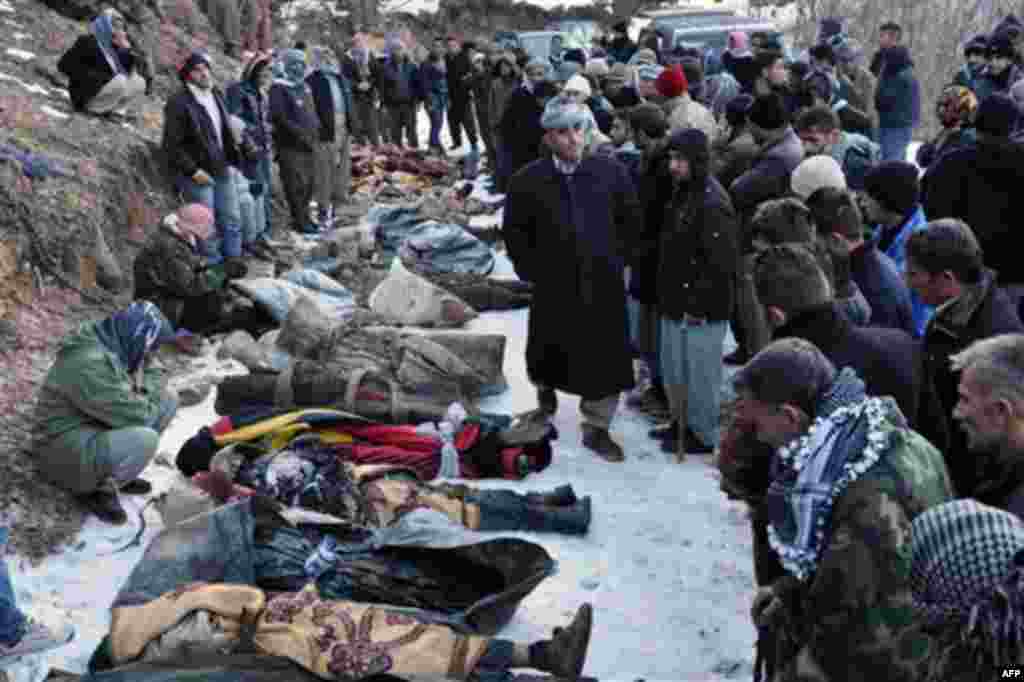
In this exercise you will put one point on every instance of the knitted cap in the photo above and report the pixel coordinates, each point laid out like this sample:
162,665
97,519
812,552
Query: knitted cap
691,143
561,113
671,82
894,184
578,84
737,110
768,112
190,63
1001,46
976,45
960,552
997,115
196,219
816,172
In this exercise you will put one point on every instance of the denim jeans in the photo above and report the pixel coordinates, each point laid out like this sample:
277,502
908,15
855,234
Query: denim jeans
251,210
691,367
436,113
894,143
221,197
12,621
267,171
494,665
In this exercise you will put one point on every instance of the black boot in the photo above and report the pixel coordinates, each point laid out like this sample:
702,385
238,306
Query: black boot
574,520
694,445
562,496
105,505
566,652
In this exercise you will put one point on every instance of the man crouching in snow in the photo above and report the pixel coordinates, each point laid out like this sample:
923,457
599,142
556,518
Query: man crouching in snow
847,480
567,221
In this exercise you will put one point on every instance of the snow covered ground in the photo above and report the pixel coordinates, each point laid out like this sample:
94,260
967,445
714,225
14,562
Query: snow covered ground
666,563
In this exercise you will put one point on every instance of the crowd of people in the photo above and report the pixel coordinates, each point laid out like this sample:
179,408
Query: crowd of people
656,199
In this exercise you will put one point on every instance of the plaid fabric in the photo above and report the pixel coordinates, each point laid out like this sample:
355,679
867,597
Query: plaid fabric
961,553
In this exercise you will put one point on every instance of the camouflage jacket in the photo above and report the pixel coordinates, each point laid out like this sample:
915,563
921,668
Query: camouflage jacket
168,271
853,619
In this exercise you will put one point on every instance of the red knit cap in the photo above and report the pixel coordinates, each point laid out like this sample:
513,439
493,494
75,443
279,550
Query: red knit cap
671,82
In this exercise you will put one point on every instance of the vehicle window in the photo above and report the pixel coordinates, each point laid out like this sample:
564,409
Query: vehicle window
536,46
691,21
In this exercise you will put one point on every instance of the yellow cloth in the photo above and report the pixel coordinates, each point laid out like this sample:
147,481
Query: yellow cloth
332,639
272,426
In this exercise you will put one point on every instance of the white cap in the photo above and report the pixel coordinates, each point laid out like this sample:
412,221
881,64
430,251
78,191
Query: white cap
578,84
816,172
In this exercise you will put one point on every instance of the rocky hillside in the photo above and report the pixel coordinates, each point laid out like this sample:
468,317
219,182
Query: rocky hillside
78,195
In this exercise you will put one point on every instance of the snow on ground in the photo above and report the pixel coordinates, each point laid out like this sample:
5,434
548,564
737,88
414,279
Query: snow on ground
667,562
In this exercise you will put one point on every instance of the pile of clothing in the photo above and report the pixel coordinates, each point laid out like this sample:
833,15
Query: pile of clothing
392,171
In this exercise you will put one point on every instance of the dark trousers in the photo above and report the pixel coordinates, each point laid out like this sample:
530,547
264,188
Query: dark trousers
296,176
483,118
460,115
401,120
364,121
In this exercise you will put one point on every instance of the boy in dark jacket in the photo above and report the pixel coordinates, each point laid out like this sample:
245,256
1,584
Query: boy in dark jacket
460,96
332,97
296,134
105,71
399,85
248,100
898,100
357,70
695,283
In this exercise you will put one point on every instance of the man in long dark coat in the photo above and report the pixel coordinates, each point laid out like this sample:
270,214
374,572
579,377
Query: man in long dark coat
566,224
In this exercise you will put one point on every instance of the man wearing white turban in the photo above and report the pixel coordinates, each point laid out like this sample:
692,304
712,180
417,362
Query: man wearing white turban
567,224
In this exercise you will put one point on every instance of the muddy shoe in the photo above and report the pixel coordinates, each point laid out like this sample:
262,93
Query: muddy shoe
600,442
562,496
565,654
106,506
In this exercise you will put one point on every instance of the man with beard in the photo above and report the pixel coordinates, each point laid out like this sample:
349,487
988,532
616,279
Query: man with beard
200,146
697,247
990,411
847,479
1001,72
567,223
945,269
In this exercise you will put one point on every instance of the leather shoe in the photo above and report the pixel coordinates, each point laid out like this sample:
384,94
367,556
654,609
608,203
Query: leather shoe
600,442
565,654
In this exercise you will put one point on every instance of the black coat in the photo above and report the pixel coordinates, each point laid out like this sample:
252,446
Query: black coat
88,71
460,73
521,131
883,287
352,71
697,254
981,314
294,125
568,237
190,142
889,361
981,185
323,99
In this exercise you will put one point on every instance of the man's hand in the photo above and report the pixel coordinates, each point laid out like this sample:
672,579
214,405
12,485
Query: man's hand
201,177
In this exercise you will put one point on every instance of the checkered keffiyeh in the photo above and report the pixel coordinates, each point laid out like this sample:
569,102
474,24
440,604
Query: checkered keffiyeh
962,554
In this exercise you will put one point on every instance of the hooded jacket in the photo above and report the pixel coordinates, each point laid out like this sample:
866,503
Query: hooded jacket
981,185
898,94
988,82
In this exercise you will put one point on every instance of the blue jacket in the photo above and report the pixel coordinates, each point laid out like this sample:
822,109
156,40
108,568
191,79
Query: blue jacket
882,284
434,86
324,101
898,95
398,83
893,243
